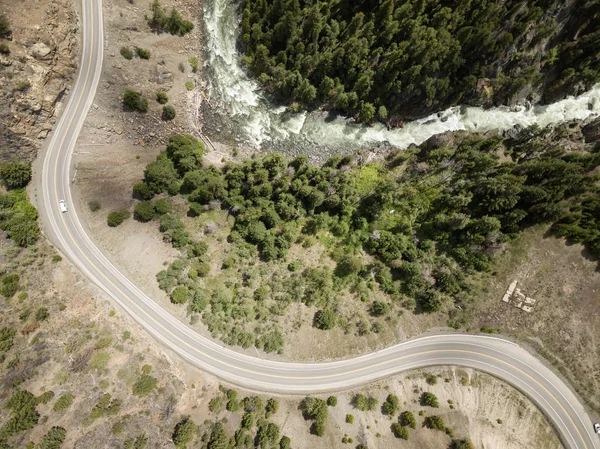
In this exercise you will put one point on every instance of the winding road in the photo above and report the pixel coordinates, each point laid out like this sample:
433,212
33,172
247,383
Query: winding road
498,357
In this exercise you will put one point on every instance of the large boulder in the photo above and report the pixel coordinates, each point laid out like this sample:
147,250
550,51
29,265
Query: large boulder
41,51
591,131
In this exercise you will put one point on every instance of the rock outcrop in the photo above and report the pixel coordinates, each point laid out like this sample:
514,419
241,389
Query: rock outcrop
36,74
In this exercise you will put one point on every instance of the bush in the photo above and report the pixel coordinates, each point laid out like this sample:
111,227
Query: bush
15,175
115,218
42,314
350,419
173,23
144,385
168,113
53,439
142,53
94,205
127,53
272,406
63,402
429,399
408,419
106,406
431,379
161,206
324,319
9,285
461,444
162,97
179,295
144,211
184,433
6,338
435,422
271,342
134,101
364,403
390,406
189,85
332,401
399,431
4,48
194,63
379,308
22,86
285,443
4,27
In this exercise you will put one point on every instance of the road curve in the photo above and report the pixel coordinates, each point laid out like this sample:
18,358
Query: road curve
498,357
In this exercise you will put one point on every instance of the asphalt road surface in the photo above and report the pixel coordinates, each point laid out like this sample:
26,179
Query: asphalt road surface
498,357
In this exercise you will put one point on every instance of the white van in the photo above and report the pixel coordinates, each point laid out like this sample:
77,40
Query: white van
63,206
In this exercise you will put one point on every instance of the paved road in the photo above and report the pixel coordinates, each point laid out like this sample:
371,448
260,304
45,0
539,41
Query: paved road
496,356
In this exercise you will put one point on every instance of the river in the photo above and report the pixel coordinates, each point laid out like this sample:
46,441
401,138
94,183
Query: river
241,112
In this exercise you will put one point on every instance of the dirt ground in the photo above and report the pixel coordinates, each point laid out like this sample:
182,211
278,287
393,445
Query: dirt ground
564,325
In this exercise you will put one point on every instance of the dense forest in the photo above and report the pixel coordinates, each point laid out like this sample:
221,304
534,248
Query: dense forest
407,58
428,218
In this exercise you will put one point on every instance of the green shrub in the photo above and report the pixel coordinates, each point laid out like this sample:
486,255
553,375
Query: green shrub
379,308
194,63
390,406
9,285
364,403
143,211
134,101
399,431
105,407
53,439
431,379
5,30
189,85
332,401
173,23
272,406
45,397
429,399
144,385
215,404
94,205
461,444
142,53
435,422
324,319
184,433
63,402
270,342
162,97
15,175
285,443
115,218
350,419
4,48
23,415
408,419
127,53
179,295
168,113
6,338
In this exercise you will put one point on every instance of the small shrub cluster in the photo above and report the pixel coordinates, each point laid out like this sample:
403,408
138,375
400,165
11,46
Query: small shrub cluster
127,53
172,23
18,217
134,101
168,113
315,409
115,218
15,175
429,399
142,53
63,402
162,97
105,407
364,403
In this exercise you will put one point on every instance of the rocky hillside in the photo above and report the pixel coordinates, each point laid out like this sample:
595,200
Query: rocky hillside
38,60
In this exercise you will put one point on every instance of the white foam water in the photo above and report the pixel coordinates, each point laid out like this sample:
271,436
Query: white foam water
260,123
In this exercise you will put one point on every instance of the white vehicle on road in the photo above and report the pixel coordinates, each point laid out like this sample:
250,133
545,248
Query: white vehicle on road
63,206
597,427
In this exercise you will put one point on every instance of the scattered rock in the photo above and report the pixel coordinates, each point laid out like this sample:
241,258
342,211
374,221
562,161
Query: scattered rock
41,51
591,131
